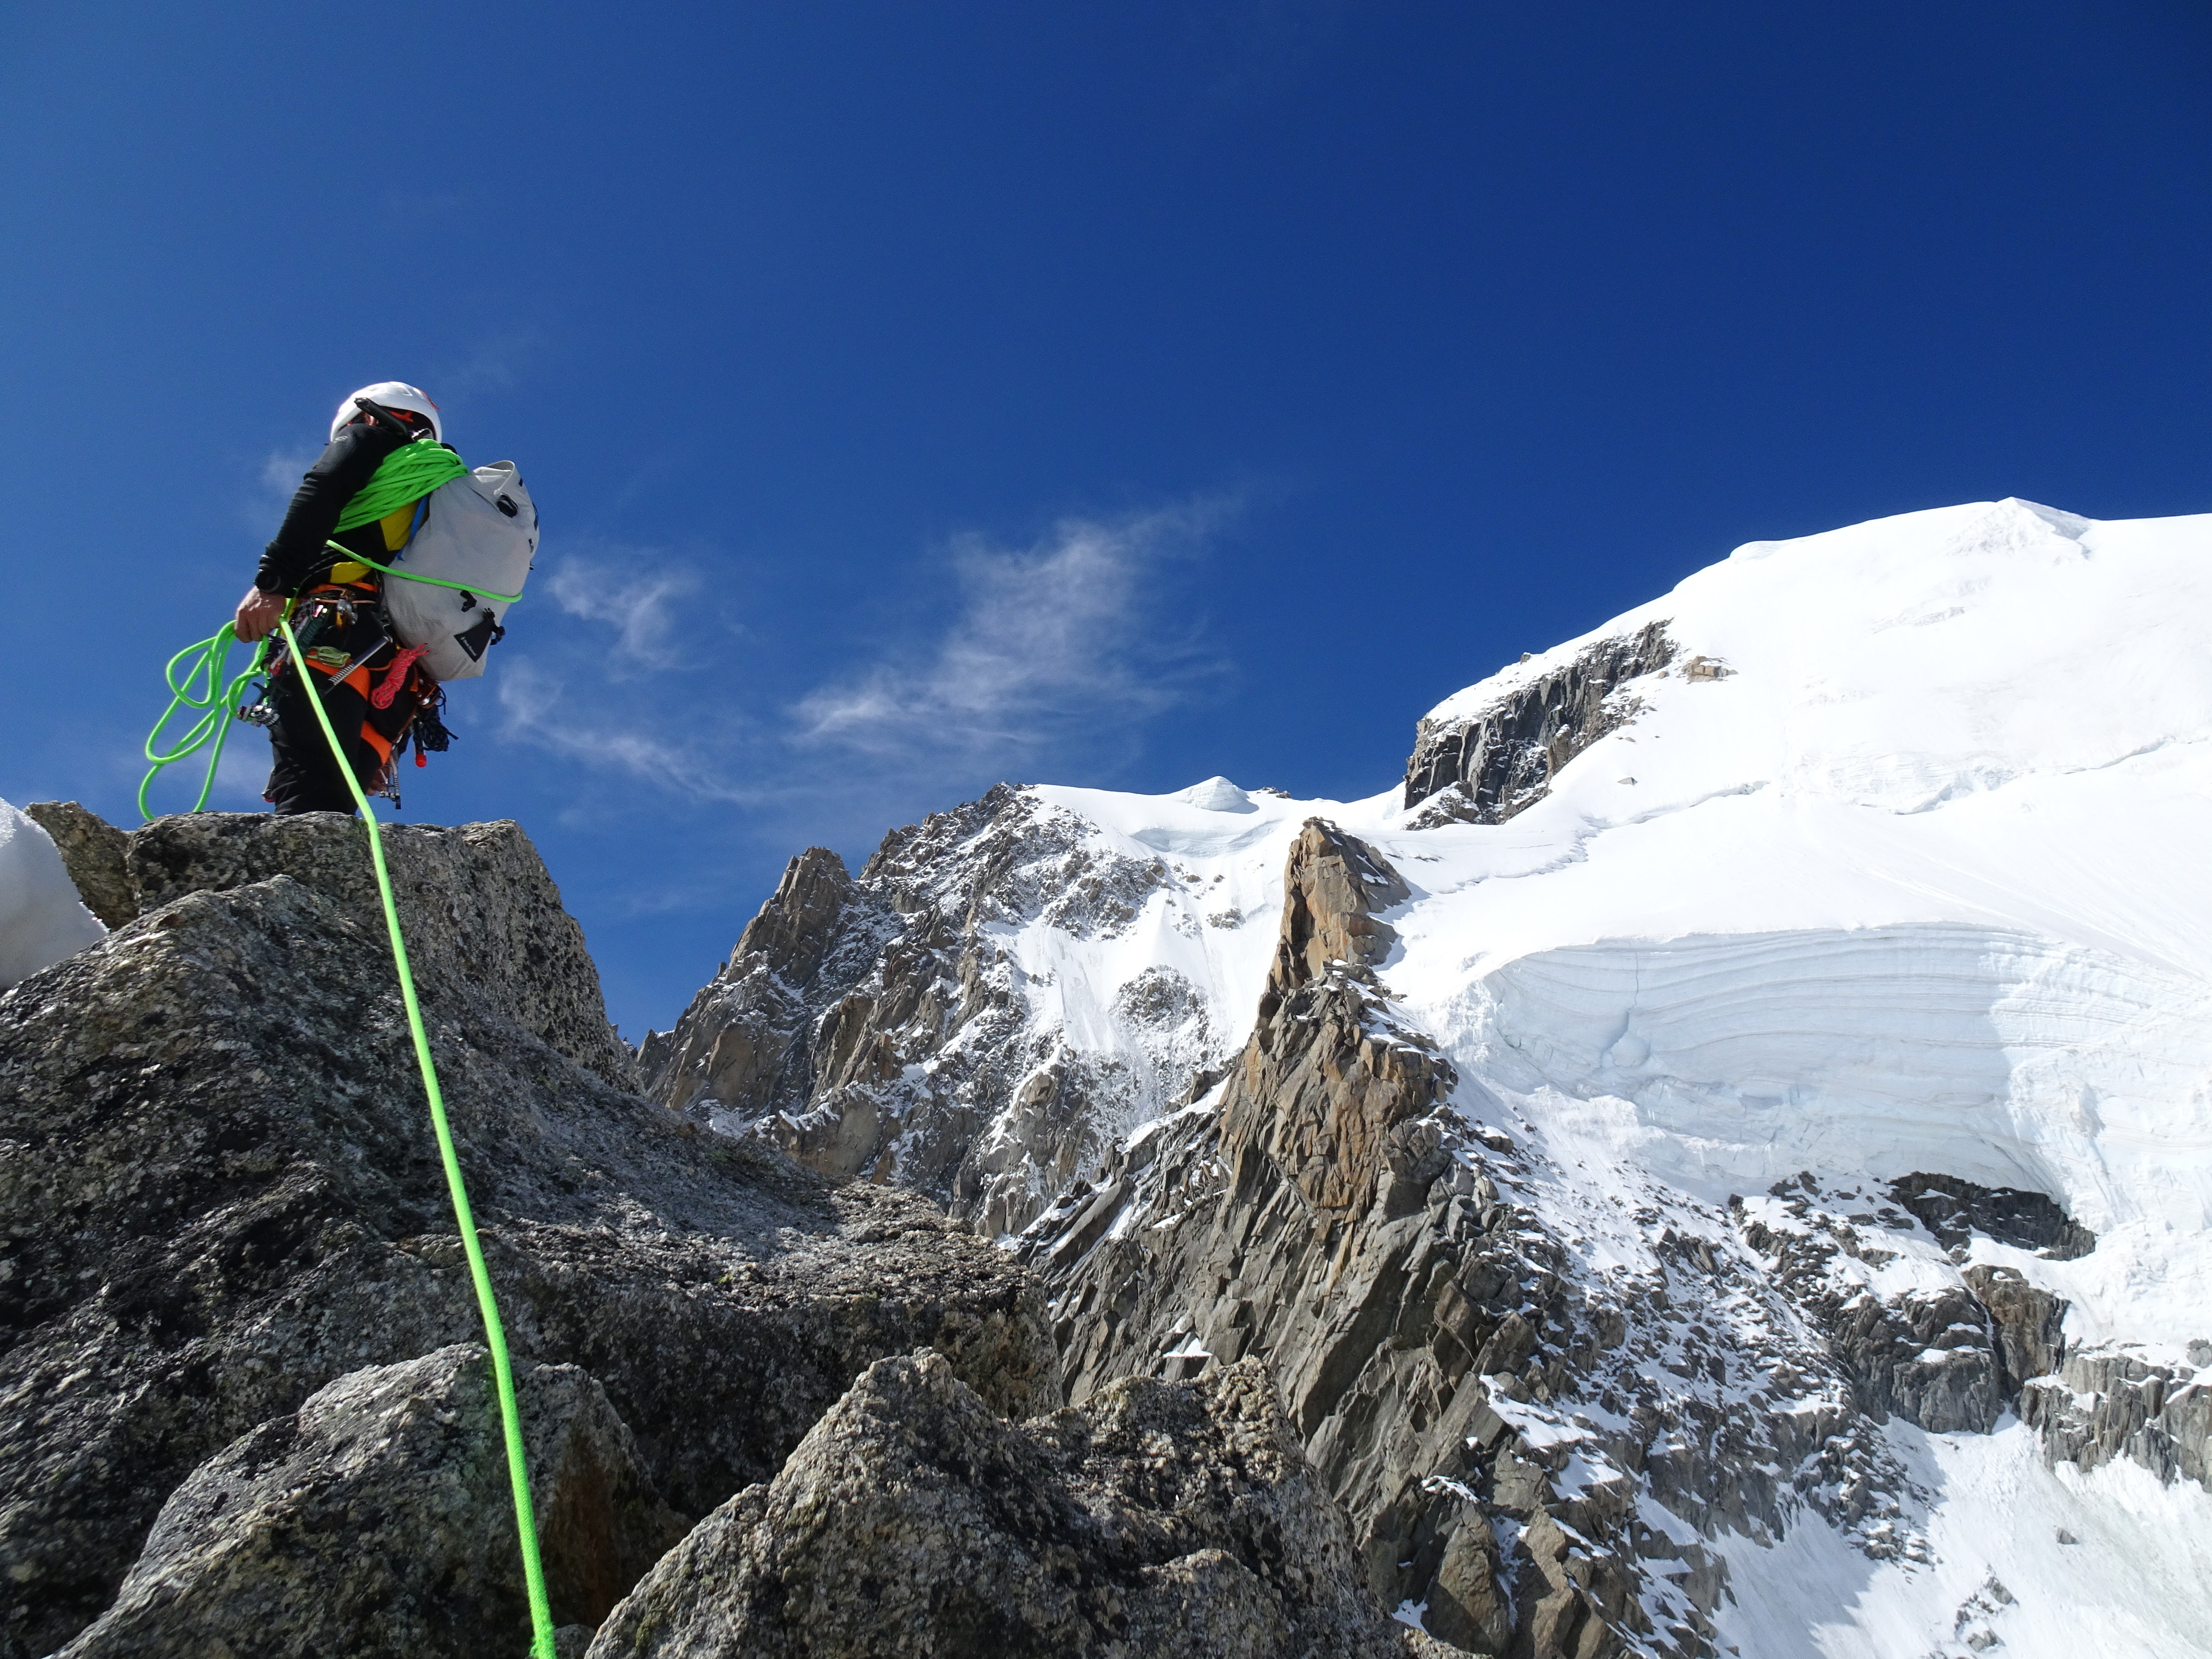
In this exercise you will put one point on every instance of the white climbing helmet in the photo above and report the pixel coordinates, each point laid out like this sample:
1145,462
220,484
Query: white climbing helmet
392,394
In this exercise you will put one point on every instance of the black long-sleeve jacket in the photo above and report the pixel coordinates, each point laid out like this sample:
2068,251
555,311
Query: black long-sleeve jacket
336,478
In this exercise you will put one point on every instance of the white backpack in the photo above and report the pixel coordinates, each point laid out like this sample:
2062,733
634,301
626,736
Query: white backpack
475,542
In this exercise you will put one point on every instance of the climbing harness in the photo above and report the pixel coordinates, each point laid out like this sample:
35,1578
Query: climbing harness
196,678
533,1572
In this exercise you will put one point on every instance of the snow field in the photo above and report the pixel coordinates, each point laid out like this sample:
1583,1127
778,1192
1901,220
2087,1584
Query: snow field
1212,925
1920,885
2131,1586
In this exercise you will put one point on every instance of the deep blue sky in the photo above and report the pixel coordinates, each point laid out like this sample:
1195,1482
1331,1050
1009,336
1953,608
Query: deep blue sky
917,396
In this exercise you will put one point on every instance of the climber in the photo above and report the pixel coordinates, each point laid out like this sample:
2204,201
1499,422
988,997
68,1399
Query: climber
376,694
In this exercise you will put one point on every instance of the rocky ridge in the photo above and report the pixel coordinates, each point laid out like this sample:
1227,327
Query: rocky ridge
224,1203
1168,1520
1535,1454
1752,932
1500,759
879,1027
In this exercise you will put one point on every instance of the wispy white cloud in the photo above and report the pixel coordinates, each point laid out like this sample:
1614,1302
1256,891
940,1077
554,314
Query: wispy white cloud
1067,630
1061,649
632,592
548,709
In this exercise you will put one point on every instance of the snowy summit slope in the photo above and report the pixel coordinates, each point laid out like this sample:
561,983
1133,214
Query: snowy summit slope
1896,868
1918,884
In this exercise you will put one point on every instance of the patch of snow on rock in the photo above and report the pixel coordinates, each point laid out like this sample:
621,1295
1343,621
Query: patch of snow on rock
42,918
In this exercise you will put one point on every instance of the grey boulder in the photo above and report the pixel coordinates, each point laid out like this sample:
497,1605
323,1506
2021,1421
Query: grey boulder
377,1521
1163,1520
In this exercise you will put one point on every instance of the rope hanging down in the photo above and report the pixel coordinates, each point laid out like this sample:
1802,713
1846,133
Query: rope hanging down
533,1572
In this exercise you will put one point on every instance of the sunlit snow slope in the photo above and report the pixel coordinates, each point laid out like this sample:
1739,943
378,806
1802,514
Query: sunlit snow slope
1915,883
1919,885
42,918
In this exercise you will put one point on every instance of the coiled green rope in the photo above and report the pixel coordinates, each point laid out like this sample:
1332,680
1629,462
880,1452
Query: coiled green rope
533,1572
204,661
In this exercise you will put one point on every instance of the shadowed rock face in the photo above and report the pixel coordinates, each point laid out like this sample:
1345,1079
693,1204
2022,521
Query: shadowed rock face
1161,1522
1501,758
741,1040
2105,1403
222,1195
1954,1210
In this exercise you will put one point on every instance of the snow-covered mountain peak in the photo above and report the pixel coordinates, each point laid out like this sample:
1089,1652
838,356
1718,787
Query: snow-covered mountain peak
1896,864
1797,992
1914,660
1217,794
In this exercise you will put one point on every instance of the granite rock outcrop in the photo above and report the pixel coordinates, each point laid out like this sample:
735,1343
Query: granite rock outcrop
2109,1401
222,1195
876,1026
377,1520
1160,1520
1500,759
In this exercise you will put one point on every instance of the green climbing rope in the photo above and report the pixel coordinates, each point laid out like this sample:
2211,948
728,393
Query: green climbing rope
346,553
405,475
541,1611
204,661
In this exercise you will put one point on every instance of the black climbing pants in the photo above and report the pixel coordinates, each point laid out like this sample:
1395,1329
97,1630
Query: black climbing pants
304,778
